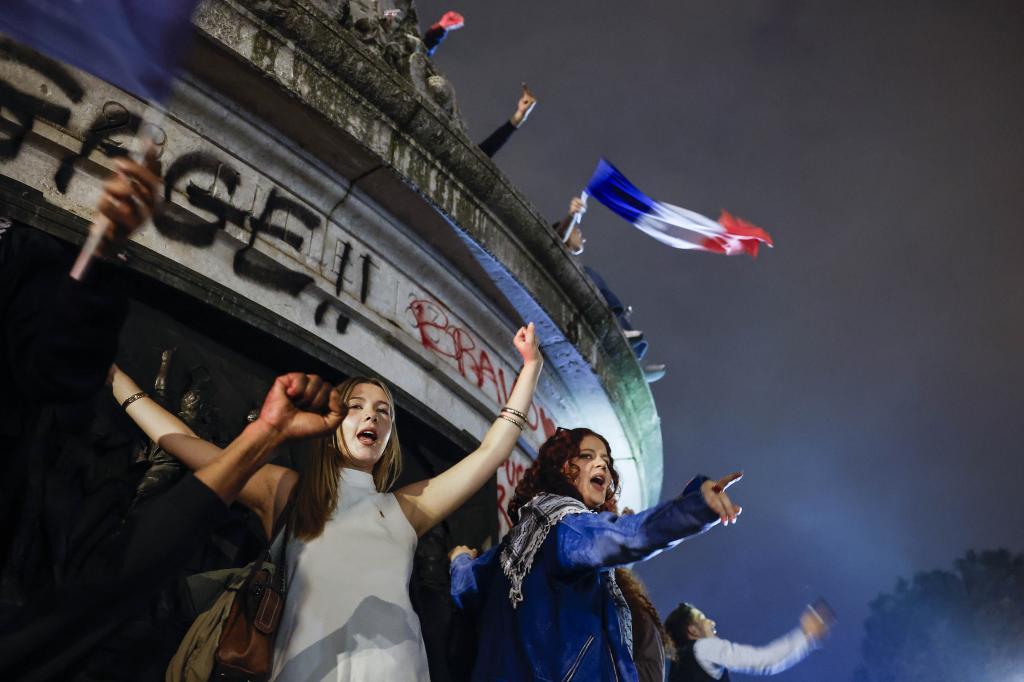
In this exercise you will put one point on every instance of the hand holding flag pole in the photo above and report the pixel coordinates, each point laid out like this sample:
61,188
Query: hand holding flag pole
577,217
137,188
136,45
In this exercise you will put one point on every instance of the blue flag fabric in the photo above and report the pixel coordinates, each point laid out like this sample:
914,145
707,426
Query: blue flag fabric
134,44
612,189
677,227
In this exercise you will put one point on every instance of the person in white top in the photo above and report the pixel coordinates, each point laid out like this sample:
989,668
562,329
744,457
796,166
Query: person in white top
701,655
348,617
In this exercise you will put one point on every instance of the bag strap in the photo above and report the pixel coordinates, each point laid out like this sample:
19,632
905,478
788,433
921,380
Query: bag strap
282,520
275,549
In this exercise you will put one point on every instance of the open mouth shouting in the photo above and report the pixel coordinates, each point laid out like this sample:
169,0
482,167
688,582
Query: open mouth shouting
599,482
367,437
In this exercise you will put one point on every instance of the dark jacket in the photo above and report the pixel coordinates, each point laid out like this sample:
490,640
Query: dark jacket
57,341
648,649
567,626
64,592
686,668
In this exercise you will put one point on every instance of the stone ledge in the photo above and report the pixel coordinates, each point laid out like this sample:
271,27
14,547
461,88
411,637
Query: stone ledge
377,118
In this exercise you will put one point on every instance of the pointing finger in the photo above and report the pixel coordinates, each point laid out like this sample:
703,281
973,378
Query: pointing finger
727,481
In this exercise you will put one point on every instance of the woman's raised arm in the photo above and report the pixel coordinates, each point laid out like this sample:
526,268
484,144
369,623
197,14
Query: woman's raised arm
429,502
263,493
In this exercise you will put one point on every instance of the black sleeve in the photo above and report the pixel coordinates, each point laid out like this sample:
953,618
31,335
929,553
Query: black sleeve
60,334
160,536
49,641
497,139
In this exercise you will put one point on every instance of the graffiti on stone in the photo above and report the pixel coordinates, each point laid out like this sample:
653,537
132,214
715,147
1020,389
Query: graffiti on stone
510,473
342,254
205,194
255,266
207,182
26,108
113,120
446,338
178,224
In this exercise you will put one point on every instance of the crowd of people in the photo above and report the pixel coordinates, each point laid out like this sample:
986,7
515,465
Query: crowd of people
554,599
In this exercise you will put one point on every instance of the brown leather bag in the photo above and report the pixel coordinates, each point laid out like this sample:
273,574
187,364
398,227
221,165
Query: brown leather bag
232,640
246,647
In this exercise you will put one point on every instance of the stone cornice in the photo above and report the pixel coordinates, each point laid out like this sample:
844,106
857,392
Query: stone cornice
345,105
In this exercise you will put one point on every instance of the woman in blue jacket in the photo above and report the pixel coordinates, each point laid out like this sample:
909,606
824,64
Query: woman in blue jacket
545,598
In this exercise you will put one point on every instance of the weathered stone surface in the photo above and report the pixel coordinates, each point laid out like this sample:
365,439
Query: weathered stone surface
288,118
397,120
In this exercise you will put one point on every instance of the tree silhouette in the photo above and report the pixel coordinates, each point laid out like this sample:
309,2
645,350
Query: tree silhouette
961,626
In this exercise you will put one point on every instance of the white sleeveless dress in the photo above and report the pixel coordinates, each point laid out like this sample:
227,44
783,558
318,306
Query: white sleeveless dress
347,616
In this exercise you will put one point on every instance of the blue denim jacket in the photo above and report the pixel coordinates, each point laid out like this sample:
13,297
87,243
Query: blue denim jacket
566,627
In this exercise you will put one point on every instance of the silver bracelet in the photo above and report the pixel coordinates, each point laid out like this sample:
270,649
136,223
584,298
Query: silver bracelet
518,424
514,411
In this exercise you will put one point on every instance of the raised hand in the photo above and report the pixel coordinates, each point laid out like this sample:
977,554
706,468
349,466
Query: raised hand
129,195
718,501
813,625
523,108
526,343
451,21
577,206
301,406
462,549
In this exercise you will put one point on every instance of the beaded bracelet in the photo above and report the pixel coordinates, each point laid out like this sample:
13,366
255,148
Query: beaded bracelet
132,398
518,424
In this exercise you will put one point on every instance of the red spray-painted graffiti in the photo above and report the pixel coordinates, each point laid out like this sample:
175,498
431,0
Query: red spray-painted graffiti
447,339
509,475
440,335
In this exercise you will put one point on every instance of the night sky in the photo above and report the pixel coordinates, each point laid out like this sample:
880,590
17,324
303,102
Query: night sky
866,373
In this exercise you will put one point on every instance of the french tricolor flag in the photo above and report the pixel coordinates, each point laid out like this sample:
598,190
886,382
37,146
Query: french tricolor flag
678,227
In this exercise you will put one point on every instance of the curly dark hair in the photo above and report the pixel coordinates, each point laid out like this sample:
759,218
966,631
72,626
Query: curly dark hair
546,474
638,599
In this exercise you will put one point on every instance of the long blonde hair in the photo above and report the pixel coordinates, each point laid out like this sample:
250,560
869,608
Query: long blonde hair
316,495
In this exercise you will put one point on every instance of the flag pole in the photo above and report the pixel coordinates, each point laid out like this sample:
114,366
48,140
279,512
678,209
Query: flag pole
152,118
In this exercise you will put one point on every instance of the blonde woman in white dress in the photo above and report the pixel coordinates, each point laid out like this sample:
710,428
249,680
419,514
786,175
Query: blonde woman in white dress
347,614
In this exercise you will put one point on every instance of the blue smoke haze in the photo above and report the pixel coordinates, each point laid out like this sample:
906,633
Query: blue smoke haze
866,373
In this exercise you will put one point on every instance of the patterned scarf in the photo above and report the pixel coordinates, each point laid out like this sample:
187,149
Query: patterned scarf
536,518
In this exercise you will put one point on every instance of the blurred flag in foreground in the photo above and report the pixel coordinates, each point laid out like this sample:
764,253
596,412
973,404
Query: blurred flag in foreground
134,44
672,225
